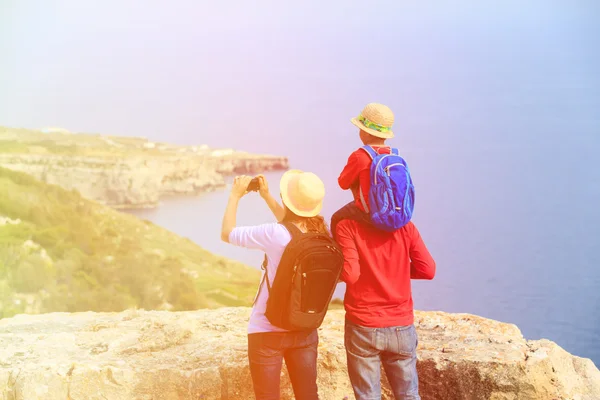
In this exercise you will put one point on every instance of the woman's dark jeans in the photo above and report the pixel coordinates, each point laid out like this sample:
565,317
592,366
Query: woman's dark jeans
266,352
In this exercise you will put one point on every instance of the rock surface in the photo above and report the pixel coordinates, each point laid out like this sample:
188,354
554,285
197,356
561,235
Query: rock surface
202,355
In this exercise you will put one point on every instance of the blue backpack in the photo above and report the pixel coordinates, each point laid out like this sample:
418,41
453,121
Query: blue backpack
392,194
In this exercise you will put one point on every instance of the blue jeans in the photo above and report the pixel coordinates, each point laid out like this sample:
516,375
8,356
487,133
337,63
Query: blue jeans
266,352
394,347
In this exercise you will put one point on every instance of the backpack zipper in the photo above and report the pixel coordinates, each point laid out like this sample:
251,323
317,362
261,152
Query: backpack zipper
387,169
334,249
303,286
379,162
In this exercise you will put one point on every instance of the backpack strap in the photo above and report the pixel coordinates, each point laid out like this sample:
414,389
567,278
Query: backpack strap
264,266
394,151
292,228
265,278
370,151
362,200
295,233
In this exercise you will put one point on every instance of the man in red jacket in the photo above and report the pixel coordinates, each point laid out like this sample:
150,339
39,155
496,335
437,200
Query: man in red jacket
378,268
379,328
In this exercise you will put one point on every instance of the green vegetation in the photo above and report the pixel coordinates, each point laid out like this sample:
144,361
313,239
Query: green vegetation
61,252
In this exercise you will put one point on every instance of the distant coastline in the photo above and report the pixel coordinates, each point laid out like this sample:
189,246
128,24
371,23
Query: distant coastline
125,172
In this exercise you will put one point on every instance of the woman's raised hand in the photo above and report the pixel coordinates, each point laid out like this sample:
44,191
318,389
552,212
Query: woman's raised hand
263,186
240,185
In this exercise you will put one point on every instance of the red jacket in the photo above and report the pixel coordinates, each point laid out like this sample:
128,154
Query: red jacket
357,171
378,268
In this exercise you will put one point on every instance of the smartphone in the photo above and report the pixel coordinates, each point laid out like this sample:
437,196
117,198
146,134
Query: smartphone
254,185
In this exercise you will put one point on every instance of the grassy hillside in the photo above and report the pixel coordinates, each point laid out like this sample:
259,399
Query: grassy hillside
61,252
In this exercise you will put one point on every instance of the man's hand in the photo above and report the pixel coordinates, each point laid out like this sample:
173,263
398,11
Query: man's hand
263,188
240,186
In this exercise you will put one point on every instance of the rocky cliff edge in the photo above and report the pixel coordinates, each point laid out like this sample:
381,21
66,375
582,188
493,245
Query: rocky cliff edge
202,355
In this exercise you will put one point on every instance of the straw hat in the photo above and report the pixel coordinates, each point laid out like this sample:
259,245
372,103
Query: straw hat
302,192
377,120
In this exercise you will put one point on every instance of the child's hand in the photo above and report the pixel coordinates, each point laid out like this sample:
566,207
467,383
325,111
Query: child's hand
263,188
240,186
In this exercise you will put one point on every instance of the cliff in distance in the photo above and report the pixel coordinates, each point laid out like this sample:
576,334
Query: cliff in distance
124,172
165,355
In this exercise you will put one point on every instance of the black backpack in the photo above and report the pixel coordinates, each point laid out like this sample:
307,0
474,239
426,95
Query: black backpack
305,281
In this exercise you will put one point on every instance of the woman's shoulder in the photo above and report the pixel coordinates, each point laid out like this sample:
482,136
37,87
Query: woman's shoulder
277,233
259,236
275,229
